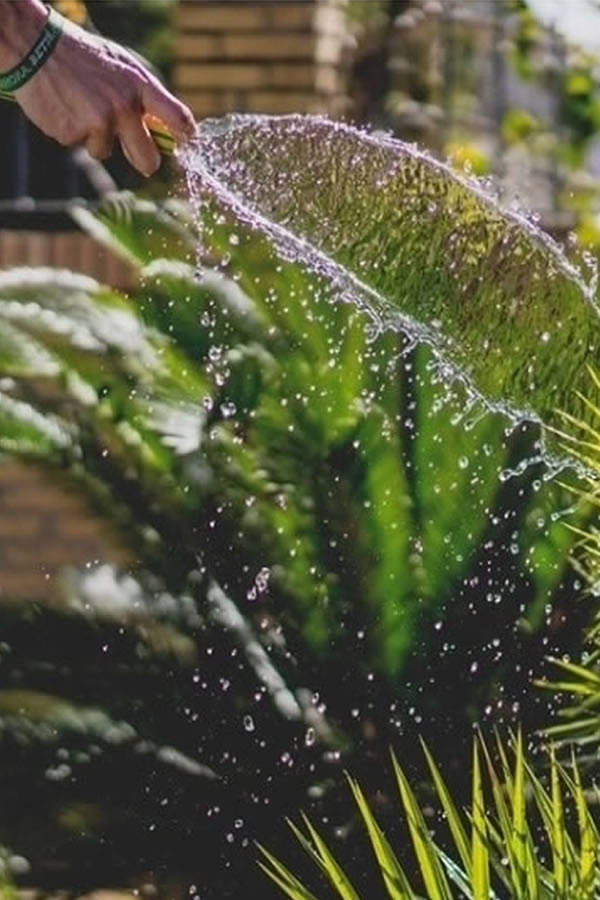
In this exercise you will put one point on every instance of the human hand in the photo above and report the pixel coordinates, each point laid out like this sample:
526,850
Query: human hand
91,91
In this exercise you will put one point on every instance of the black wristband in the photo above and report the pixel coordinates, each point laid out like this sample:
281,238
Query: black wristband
20,74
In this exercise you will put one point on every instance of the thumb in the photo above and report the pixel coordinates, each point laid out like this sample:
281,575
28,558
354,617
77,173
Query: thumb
178,118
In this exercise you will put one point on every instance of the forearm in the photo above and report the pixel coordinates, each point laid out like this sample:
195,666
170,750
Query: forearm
21,22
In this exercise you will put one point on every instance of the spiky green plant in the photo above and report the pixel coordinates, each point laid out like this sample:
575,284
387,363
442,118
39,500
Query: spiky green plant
522,838
577,682
288,489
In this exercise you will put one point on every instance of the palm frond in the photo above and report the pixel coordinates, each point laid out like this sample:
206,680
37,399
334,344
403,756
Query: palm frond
502,861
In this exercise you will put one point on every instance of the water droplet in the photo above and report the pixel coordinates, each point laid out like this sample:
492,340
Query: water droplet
309,737
228,410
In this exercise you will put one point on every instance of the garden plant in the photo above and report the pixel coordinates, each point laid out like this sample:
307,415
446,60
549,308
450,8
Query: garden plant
284,483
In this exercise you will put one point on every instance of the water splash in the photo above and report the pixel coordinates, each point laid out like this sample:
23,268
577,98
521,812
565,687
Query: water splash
419,248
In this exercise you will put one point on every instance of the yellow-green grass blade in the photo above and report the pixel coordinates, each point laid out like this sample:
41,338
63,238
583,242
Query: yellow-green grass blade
593,407
586,856
394,877
455,825
518,805
434,876
571,730
456,874
590,700
307,846
506,769
552,816
321,854
570,687
504,839
573,441
581,672
578,422
533,870
480,862
593,375
589,461
591,499
518,843
526,862
558,840
588,836
282,877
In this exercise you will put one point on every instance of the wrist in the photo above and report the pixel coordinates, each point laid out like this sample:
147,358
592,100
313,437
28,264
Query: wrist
21,22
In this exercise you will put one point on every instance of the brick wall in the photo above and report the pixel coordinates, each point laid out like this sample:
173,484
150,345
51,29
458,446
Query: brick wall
263,56
260,56
69,249
44,526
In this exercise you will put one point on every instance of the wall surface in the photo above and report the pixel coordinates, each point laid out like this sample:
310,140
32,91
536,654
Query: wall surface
274,56
64,249
43,527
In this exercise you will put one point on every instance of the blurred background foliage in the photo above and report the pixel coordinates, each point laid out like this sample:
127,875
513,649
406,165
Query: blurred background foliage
145,25
498,85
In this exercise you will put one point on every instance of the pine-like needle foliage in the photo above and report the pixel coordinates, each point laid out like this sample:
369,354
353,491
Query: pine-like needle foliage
522,838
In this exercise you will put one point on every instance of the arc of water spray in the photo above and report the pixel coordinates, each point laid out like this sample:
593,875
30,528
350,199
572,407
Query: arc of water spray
420,247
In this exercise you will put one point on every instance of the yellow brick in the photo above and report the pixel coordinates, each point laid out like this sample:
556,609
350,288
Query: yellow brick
13,473
66,247
19,526
292,16
40,499
301,76
291,75
327,80
37,249
12,248
246,76
23,584
80,528
266,46
284,102
73,250
36,556
220,17
220,76
198,47
204,104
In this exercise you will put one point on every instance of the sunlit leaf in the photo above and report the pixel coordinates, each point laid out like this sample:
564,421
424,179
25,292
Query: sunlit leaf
459,834
316,847
431,868
480,870
394,877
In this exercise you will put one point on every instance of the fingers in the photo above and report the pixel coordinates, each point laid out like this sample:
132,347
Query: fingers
99,143
137,143
177,117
